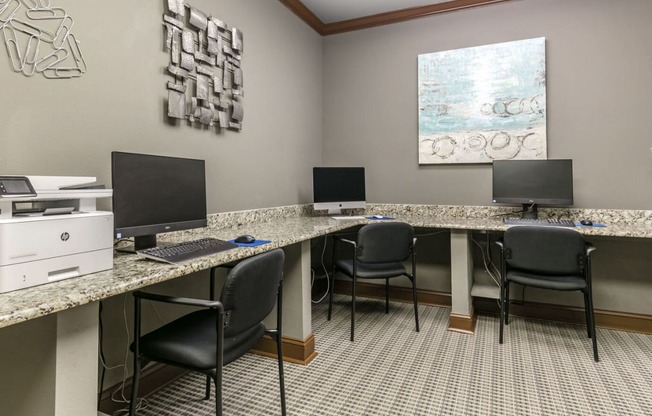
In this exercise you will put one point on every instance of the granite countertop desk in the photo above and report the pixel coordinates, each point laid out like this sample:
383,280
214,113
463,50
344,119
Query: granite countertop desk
284,226
131,272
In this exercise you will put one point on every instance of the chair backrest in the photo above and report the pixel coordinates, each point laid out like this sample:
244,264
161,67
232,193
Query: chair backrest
250,289
385,242
545,250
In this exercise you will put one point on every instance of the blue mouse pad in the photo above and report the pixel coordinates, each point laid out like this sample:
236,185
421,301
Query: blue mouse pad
379,217
595,224
254,244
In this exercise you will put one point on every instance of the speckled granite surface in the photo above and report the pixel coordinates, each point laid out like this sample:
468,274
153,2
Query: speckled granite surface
284,226
130,273
619,223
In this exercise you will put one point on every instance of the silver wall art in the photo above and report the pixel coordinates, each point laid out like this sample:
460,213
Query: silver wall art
205,64
39,40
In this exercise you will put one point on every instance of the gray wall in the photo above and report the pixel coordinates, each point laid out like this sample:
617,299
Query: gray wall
598,85
70,127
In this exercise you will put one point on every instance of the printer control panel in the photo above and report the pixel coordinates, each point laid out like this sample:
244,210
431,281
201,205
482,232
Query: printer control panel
16,186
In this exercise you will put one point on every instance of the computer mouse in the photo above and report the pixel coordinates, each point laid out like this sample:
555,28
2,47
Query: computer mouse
588,223
245,239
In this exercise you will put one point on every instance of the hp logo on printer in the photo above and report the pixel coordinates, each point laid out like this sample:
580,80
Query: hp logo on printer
65,236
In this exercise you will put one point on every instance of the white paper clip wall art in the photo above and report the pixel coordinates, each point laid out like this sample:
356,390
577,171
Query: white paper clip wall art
39,40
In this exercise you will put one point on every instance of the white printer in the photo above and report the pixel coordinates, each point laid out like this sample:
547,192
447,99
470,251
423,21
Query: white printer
51,230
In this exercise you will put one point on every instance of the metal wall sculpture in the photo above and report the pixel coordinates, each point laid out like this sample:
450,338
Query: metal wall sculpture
483,103
205,59
39,39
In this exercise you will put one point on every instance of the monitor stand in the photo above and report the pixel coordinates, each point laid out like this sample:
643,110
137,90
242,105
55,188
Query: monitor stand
140,243
336,214
530,211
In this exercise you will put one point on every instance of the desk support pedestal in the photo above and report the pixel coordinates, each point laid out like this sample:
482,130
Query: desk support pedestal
298,340
76,361
462,317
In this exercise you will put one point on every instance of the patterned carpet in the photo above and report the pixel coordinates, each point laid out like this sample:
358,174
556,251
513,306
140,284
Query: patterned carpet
544,368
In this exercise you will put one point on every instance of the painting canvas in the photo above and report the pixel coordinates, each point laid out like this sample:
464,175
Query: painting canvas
483,103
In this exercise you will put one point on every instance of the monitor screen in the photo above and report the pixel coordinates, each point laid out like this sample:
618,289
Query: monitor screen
532,182
155,194
337,188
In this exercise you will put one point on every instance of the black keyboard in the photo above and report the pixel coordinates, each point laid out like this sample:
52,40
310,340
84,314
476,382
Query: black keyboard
539,221
188,250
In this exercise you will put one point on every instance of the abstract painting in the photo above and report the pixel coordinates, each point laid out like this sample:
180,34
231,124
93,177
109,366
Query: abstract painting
483,103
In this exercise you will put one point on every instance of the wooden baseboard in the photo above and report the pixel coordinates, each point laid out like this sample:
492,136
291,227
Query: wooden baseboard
620,321
294,350
396,293
457,323
462,323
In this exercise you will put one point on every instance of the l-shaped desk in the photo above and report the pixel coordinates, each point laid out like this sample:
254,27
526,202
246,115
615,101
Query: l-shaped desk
75,301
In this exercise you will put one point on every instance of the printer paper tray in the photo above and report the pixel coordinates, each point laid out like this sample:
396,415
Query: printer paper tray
38,272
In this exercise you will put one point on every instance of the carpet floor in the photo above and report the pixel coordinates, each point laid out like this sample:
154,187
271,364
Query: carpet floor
543,368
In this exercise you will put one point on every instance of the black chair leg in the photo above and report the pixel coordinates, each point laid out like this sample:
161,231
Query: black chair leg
134,387
353,309
587,314
414,300
591,324
386,295
330,295
413,278
137,358
218,395
502,313
208,388
506,303
281,378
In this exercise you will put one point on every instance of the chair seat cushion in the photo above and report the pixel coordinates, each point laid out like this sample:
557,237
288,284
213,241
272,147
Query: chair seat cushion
191,341
371,270
561,282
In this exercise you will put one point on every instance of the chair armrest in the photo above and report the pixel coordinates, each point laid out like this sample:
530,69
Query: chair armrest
344,240
590,248
200,303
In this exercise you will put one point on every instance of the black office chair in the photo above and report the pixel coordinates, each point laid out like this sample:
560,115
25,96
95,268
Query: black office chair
378,254
222,331
547,258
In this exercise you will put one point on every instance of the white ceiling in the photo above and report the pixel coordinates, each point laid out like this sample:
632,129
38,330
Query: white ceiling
329,11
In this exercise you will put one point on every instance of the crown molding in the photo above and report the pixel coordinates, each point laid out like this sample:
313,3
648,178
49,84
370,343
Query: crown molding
306,15
380,19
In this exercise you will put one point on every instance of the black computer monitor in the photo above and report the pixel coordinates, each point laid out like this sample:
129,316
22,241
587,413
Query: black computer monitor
532,183
156,194
337,188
